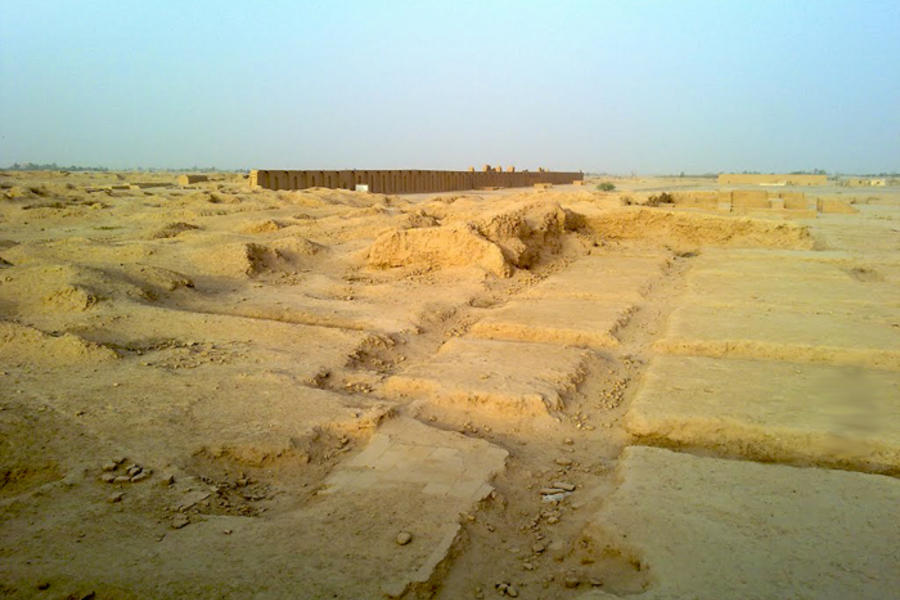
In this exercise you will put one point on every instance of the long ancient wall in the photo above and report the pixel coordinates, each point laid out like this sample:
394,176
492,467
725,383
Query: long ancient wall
772,179
407,182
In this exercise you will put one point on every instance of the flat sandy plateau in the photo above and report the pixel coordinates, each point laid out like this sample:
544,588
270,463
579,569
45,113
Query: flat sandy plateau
213,391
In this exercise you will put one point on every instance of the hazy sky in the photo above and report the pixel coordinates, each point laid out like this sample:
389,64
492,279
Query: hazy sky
651,87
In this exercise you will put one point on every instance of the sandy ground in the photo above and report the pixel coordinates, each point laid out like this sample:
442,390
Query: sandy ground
210,391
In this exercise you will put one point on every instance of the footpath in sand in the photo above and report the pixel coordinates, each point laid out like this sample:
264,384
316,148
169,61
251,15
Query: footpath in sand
210,391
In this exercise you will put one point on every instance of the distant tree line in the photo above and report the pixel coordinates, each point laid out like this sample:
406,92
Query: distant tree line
30,166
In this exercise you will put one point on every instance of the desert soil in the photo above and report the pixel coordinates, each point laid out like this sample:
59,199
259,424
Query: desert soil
212,391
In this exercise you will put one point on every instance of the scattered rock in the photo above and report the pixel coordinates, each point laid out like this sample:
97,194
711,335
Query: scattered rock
110,466
568,441
108,477
134,470
571,581
117,497
122,479
563,461
403,538
43,585
512,591
551,490
564,485
141,476
554,498
538,547
179,521
167,480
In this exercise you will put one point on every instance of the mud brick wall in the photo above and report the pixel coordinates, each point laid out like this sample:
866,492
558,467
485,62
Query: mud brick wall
407,181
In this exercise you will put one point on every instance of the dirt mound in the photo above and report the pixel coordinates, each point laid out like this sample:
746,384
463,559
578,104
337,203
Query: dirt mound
508,237
251,259
172,229
66,288
20,344
438,247
689,230
526,231
154,281
267,226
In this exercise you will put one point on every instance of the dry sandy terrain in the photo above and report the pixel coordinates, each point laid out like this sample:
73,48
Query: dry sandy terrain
209,391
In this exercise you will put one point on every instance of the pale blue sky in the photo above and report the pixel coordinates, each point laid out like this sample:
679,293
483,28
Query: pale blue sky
650,87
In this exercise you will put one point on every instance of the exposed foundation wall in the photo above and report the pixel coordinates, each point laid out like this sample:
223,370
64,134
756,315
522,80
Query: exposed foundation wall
795,203
407,182
771,179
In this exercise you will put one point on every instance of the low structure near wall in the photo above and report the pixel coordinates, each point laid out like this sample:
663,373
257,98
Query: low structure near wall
408,182
863,182
771,179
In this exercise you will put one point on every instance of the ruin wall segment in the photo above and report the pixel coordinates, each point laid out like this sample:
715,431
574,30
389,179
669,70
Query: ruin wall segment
407,181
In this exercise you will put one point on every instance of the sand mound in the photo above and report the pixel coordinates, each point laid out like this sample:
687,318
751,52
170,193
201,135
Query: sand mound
267,226
172,229
237,259
694,230
505,238
438,247
525,231
20,344
156,280
65,287
295,248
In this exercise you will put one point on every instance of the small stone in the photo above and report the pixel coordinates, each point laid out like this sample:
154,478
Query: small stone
167,480
563,461
110,466
552,520
122,479
43,585
179,521
596,581
134,470
512,591
538,547
118,460
528,566
568,441
564,485
108,477
571,581
117,497
502,587
551,490
554,497
141,476
227,532
403,538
